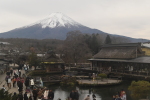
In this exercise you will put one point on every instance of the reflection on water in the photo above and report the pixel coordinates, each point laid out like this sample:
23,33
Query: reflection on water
102,93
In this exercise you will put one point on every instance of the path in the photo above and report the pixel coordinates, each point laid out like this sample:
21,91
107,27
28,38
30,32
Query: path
13,89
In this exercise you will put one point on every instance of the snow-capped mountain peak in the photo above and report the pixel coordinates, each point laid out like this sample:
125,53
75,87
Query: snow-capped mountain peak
58,20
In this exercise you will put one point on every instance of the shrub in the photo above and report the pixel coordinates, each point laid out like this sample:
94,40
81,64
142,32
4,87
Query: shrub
102,75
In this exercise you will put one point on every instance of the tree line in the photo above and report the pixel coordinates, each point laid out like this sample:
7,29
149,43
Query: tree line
76,48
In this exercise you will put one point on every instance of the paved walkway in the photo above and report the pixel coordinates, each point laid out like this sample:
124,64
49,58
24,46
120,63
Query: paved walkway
100,82
13,89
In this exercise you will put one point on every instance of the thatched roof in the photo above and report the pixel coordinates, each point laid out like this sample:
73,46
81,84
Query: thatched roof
52,59
119,51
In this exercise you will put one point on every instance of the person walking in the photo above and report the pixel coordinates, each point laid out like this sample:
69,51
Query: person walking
8,73
46,92
32,83
72,95
27,81
14,97
93,76
14,81
123,96
20,96
34,92
25,96
76,95
20,86
19,73
40,93
9,82
51,95
11,71
16,73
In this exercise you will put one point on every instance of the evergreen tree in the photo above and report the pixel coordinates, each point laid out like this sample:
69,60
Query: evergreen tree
108,40
33,60
93,42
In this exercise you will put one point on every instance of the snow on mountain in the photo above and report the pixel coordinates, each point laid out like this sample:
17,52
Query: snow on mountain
55,26
57,20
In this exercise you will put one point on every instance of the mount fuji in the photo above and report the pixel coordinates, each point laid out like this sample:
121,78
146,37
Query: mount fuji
55,26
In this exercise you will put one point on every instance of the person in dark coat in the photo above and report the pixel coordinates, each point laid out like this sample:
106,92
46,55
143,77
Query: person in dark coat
51,95
27,82
76,95
117,97
11,71
25,96
14,97
72,95
20,96
20,86
8,73
93,96
35,94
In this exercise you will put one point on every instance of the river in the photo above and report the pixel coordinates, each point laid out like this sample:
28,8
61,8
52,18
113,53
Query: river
102,93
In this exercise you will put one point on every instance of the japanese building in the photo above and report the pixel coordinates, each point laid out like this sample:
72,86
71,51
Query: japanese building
53,63
128,58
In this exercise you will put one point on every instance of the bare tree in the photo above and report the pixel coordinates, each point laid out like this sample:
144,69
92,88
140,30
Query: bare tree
75,49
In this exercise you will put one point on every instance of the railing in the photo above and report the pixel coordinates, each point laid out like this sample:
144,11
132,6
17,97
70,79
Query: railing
55,69
51,78
132,72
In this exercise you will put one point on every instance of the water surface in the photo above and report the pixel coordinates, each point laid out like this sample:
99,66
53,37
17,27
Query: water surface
102,93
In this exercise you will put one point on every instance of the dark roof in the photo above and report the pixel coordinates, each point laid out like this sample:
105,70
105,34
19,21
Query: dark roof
120,51
116,53
145,59
52,59
122,45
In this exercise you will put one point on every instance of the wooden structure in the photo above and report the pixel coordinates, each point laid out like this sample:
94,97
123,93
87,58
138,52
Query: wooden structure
128,59
53,63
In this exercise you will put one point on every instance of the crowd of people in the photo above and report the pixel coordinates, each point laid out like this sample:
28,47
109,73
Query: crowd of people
14,79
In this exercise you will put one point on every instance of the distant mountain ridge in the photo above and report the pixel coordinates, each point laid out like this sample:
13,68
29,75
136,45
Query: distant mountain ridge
55,26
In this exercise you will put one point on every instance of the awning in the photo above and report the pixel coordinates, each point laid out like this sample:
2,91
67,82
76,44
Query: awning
145,59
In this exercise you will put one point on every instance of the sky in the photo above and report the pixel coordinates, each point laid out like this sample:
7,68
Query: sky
122,17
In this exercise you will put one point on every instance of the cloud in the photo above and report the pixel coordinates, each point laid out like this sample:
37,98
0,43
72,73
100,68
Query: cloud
122,17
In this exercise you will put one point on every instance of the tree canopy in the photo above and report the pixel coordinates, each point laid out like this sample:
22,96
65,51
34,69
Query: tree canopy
139,89
107,40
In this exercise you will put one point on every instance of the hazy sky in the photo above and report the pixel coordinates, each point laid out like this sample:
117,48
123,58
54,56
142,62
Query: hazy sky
122,17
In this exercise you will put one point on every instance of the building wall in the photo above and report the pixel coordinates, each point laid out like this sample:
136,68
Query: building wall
147,51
